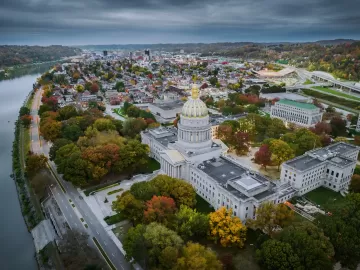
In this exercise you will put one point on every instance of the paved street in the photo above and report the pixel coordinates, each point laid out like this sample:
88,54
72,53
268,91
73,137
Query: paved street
95,229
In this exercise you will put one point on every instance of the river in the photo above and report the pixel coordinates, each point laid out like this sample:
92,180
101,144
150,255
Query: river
17,248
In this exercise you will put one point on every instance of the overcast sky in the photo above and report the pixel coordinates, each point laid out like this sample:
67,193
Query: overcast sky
80,22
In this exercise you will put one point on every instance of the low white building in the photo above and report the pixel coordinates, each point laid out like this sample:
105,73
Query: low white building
299,113
331,167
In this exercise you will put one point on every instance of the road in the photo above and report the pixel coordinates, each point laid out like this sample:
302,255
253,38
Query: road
95,229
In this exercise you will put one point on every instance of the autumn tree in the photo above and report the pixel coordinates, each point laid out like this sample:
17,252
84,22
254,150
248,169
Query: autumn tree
197,257
338,126
281,152
79,88
225,133
129,206
275,128
94,88
35,163
241,142
26,120
50,129
160,209
321,128
190,223
263,156
226,229
271,217
182,192
355,183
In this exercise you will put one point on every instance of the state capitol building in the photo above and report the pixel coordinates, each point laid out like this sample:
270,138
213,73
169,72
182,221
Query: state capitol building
190,153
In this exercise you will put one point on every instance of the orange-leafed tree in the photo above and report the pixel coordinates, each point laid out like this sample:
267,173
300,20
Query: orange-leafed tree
160,209
226,228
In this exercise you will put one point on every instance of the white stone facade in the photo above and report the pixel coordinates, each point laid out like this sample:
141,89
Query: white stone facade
331,167
191,153
299,113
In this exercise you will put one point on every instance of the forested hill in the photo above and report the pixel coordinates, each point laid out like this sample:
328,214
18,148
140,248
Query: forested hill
11,55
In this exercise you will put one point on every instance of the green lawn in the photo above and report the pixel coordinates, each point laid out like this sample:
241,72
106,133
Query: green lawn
114,219
203,206
335,92
308,82
326,198
119,111
152,165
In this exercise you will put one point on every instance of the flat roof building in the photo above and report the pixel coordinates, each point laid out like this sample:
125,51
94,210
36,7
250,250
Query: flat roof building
299,113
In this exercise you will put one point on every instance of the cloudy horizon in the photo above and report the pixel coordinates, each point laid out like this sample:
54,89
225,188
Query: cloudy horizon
82,22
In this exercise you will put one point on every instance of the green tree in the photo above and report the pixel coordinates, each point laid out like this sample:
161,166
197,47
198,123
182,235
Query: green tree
144,191
58,143
277,255
302,140
24,110
275,128
213,81
129,206
343,229
310,244
133,126
67,112
189,223
104,124
280,152
158,238
71,132
270,217
196,257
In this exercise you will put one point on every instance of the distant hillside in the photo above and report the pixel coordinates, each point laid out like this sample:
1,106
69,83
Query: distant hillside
19,55
335,41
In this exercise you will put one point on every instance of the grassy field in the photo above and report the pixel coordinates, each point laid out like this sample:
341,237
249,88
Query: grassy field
153,165
308,82
326,198
120,112
203,206
114,219
335,92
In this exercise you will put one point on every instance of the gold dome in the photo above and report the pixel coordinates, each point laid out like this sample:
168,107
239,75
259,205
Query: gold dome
194,107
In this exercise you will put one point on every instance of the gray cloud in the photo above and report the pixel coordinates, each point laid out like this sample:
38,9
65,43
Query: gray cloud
148,21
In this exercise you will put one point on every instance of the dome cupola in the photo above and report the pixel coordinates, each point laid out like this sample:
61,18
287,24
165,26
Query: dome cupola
194,107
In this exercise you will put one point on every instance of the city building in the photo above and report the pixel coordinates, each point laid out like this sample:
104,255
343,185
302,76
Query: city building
331,167
190,153
299,113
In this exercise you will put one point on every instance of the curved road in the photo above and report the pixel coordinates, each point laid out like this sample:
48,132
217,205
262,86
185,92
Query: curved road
95,229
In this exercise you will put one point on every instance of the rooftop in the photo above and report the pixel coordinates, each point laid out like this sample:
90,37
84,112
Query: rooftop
301,105
169,105
304,162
